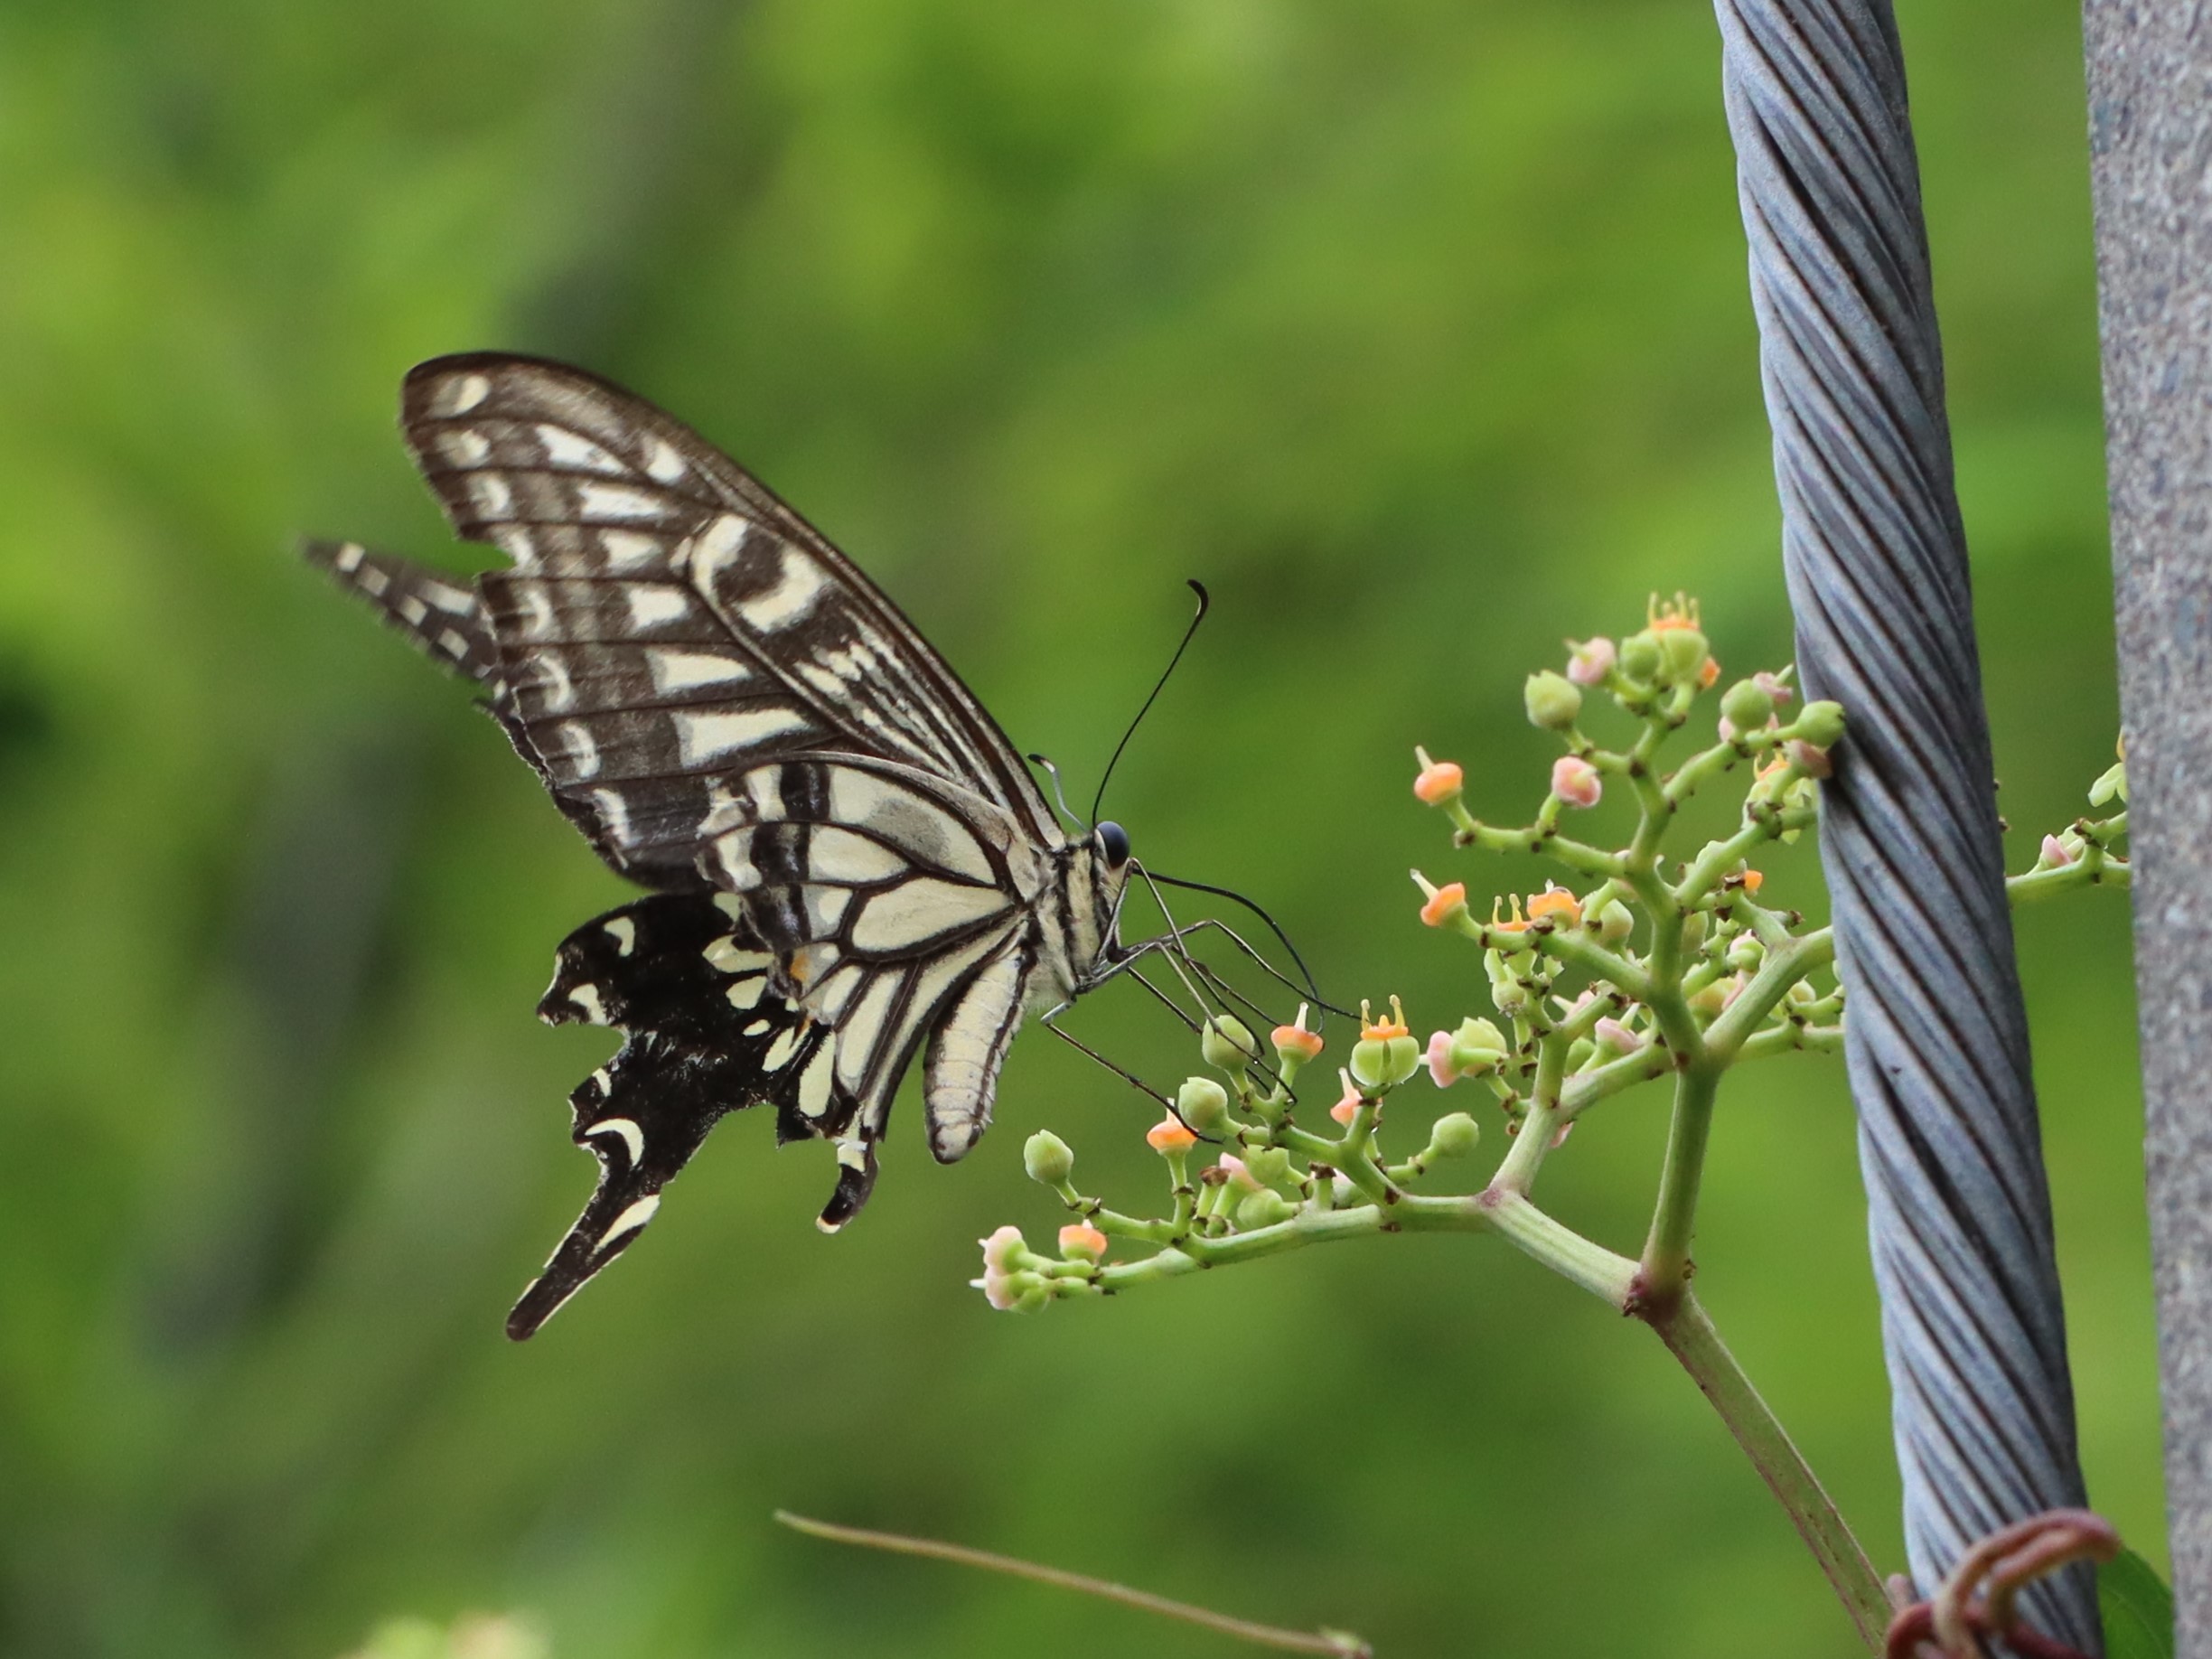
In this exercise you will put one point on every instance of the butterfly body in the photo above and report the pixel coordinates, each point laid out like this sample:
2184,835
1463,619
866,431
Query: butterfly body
851,865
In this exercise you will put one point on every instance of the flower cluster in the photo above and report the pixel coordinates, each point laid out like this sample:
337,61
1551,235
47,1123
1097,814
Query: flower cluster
1638,965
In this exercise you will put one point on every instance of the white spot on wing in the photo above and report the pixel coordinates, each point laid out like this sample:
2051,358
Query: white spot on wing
375,582
413,610
815,1081
687,671
633,1137
779,1050
723,953
628,549
455,644
617,502
630,1220
653,605
747,992
349,557
704,738
624,932
554,684
587,996
456,601
493,499
583,754
566,448
756,1028
465,447
614,814
664,463
460,394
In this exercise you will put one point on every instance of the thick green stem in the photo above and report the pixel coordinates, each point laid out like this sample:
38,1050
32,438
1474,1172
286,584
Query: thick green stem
1688,1334
1666,1273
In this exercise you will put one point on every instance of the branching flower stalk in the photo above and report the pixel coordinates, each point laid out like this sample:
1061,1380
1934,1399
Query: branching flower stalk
1644,965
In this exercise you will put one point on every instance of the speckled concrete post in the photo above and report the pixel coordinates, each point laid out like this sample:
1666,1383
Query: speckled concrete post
2150,138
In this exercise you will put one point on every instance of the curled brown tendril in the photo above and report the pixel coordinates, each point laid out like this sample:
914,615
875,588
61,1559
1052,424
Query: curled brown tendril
1953,1622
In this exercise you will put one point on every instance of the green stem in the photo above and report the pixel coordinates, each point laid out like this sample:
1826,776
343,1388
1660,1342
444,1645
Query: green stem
1517,1173
1780,970
1666,1274
1688,1334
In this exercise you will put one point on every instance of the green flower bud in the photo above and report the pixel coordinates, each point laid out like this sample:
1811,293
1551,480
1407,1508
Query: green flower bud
1579,1052
1227,1043
1681,653
1455,1135
1693,931
1476,1047
1709,999
1820,725
1552,700
1639,656
1203,1104
1264,1208
1745,954
1269,1165
1747,705
2111,783
1613,923
1047,1159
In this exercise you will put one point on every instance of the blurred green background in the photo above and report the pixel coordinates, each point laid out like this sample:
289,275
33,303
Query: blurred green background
1418,330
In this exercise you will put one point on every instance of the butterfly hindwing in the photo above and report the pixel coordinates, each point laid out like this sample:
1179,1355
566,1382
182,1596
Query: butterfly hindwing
682,976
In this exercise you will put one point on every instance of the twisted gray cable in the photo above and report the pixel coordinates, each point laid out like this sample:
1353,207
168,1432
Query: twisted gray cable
1876,556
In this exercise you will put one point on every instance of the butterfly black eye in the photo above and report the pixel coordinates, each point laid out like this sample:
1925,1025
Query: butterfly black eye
1113,842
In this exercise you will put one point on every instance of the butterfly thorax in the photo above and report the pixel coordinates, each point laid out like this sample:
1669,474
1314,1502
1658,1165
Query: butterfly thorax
1073,930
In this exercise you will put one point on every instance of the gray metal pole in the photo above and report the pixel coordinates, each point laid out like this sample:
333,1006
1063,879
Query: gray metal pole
2150,142
1959,1213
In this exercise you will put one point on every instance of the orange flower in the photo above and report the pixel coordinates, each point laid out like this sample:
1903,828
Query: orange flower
1081,1242
1516,924
1680,612
1439,781
1170,1135
1555,901
1443,902
1393,1024
1753,881
1294,1041
1708,673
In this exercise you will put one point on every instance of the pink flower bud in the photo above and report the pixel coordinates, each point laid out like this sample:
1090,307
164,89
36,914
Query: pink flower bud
1347,1106
1003,1250
1080,1241
1575,780
1616,1038
1589,661
1810,761
1000,1290
2056,855
1239,1175
1773,685
1440,1066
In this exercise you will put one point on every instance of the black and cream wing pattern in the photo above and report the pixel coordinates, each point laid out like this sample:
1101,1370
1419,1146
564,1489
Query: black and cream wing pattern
849,862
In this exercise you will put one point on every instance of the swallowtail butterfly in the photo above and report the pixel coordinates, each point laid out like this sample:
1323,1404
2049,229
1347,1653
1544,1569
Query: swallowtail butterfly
848,859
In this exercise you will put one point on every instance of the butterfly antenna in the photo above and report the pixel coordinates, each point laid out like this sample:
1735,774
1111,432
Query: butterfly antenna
1313,990
1205,603
1059,791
